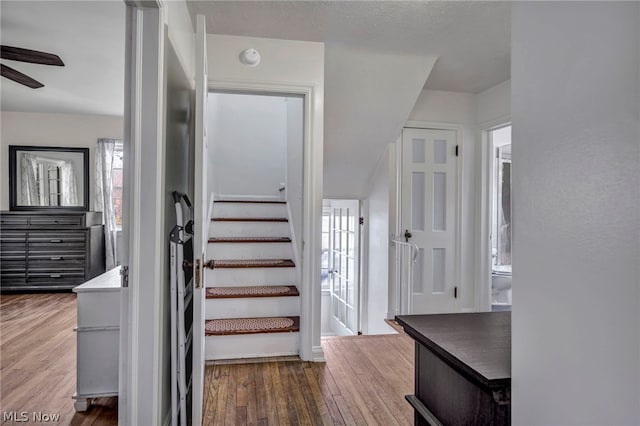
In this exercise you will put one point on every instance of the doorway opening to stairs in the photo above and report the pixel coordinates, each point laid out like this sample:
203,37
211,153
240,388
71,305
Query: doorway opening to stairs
255,175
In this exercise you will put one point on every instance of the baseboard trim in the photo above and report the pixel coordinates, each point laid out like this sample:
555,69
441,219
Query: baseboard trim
317,354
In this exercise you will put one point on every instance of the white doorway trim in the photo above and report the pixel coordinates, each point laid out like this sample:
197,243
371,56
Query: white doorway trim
310,294
140,326
459,206
484,184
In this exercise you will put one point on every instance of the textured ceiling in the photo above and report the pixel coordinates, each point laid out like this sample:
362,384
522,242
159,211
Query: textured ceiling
471,39
88,36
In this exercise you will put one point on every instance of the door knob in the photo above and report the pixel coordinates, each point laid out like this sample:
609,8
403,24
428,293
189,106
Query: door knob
407,235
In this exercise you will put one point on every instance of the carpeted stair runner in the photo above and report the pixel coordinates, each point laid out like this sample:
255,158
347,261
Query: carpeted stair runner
231,326
250,219
252,201
250,240
253,263
252,291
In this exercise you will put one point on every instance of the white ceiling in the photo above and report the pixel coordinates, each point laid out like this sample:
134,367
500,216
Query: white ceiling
88,37
378,57
470,38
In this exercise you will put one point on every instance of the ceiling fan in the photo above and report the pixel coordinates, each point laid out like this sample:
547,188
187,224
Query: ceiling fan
26,55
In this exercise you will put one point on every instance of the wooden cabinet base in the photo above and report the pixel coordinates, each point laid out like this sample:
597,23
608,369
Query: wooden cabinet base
462,368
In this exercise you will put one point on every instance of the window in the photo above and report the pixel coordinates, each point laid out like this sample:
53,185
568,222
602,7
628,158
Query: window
501,201
117,184
324,265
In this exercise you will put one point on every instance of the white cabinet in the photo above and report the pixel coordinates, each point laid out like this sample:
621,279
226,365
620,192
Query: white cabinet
98,337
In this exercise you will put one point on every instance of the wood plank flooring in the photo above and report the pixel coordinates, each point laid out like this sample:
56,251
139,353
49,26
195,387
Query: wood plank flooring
363,382
38,360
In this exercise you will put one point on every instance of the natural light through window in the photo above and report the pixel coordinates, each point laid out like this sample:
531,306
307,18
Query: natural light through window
501,201
117,184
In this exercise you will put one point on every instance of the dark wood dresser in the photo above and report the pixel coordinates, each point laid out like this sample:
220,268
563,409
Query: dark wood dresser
462,368
44,250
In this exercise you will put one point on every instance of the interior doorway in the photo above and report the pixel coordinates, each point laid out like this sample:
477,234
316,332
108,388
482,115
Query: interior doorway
500,216
340,268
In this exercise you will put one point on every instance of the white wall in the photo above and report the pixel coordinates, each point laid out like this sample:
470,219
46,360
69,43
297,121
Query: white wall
494,105
576,213
459,109
378,231
369,96
294,163
247,137
66,130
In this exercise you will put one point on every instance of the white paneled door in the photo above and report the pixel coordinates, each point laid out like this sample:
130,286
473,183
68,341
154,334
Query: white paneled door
201,222
429,202
344,241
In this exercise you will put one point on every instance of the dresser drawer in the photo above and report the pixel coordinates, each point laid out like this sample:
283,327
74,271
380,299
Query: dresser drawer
36,221
47,241
65,260
12,279
10,220
12,253
55,277
12,236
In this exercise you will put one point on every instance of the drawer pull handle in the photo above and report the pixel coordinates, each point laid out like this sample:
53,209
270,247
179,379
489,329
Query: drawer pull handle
56,240
56,275
56,258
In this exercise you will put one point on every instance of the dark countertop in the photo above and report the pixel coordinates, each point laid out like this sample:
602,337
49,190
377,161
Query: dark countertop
476,344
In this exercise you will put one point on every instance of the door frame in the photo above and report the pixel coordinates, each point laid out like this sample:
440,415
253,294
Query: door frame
311,292
140,362
432,125
484,209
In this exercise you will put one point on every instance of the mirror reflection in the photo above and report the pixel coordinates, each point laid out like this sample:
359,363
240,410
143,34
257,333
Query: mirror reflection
46,178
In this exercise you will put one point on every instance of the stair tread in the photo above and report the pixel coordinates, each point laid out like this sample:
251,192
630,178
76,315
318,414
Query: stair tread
251,201
253,263
234,326
250,219
250,240
252,291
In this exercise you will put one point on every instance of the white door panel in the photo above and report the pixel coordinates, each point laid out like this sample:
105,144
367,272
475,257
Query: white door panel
201,220
429,198
344,266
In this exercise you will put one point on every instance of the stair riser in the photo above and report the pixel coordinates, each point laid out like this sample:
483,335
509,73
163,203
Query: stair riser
221,251
231,277
249,229
249,210
252,307
251,345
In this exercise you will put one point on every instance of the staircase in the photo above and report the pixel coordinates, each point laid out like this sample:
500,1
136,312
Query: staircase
252,307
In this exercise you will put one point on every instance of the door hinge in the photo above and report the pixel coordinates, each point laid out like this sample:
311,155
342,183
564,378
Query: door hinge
197,273
361,220
124,276
455,292
457,150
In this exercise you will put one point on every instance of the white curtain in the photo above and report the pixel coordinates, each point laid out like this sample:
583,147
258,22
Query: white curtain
69,185
104,197
29,185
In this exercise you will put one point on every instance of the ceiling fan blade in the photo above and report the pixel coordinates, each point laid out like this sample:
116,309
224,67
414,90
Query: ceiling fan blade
18,77
31,56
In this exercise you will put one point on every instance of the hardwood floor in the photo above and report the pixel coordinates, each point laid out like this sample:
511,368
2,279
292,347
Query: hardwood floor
363,382
38,360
